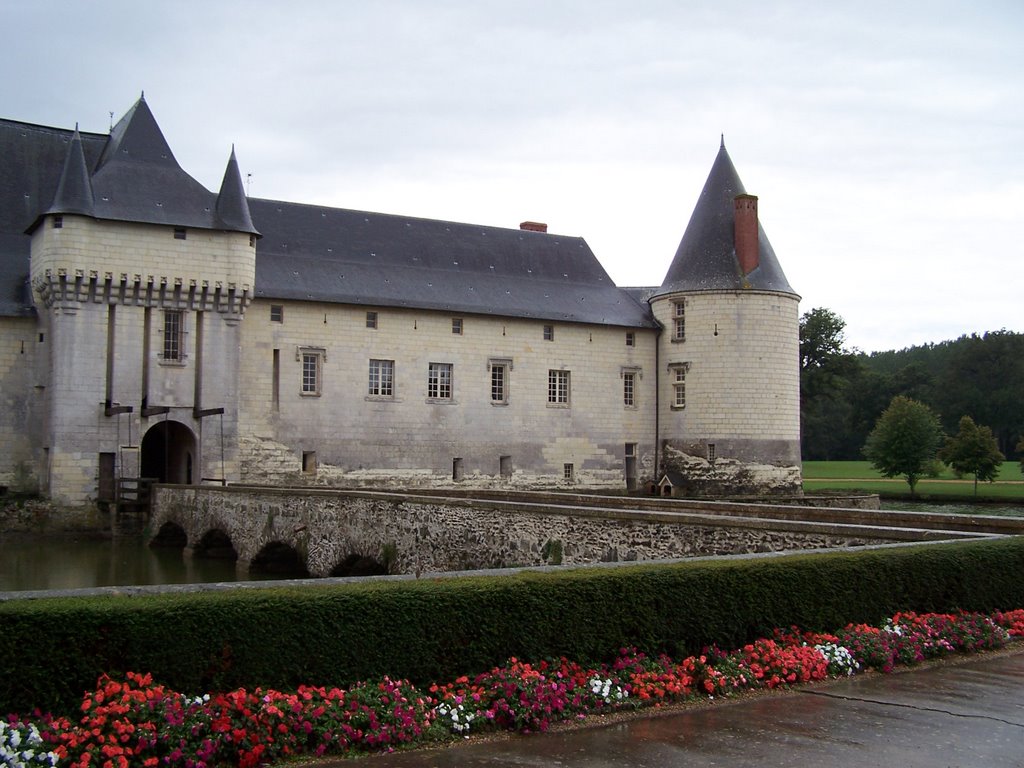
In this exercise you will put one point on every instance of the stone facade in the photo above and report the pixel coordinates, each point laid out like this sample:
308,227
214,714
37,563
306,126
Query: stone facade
406,435
164,339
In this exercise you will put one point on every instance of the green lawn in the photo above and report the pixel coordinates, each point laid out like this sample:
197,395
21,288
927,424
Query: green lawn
860,476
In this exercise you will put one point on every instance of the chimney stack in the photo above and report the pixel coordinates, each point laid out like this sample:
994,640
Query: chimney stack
745,232
533,226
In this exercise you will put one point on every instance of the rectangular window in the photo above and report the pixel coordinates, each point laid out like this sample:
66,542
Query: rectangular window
310,373
568,472
276,313
558,387
499,383
371,319
629,389
312,361
58,222
457,325
630,339
711,452
173,333
382,378
549,333
679,321
439,381
179,233
679,386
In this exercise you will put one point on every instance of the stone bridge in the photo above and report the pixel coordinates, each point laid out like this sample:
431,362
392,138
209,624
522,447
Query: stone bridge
332,532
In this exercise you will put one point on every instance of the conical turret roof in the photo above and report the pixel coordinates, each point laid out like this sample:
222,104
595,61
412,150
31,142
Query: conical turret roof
232,205
74,190
137,179
706,258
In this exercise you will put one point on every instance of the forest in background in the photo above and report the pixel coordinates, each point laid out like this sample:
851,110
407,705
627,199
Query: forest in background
843,391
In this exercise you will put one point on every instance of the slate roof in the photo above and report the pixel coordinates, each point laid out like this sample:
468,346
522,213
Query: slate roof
706,257
137,179
31,159
313,253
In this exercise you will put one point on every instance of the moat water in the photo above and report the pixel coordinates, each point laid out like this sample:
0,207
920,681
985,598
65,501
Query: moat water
67,561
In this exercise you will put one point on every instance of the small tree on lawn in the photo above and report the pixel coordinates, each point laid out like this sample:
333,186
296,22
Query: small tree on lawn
974,450
905,440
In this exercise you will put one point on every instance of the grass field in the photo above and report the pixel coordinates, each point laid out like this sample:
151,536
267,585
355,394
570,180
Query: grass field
860,476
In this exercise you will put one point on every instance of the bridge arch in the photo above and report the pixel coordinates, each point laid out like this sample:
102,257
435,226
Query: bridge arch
359,565
171,535
279,558
215,544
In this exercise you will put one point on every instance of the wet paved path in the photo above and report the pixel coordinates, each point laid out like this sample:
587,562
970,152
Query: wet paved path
964,714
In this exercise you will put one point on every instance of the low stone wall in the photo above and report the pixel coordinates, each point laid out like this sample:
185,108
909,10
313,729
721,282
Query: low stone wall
35,515
420,534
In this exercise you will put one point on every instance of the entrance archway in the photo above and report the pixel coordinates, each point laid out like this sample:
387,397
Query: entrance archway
169,453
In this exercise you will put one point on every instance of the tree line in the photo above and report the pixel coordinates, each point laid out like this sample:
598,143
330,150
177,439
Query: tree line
844,392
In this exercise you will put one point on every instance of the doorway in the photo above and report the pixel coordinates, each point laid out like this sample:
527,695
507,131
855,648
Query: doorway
169,453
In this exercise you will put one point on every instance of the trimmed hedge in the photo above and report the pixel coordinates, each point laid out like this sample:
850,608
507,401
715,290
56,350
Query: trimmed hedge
53,649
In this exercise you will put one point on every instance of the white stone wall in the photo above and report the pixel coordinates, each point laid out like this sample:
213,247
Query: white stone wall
411,439
743,352
144,253
21,402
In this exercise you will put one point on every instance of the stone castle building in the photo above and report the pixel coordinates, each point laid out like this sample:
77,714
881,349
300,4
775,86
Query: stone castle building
155,329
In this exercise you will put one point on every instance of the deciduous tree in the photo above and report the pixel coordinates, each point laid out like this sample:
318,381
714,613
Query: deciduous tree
973,450
905,440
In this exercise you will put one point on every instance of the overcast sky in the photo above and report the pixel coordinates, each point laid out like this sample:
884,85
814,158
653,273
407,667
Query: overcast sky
884,139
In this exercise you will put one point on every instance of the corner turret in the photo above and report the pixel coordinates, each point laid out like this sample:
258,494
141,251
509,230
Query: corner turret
729,414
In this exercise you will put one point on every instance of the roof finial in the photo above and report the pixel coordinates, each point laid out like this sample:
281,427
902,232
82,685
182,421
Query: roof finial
723,142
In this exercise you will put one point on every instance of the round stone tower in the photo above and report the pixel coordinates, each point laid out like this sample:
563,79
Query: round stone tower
728,357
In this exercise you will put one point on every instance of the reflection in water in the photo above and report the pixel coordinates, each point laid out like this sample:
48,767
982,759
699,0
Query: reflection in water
1001,510
75,562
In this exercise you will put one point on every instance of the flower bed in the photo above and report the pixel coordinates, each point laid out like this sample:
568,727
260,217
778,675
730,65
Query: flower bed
137,722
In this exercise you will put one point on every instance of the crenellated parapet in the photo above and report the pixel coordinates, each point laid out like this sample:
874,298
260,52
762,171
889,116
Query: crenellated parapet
77,260
63,290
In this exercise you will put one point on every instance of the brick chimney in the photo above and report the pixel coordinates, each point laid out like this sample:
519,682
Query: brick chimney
533,226
745,232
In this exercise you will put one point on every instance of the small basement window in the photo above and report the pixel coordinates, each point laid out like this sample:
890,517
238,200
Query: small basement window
309,462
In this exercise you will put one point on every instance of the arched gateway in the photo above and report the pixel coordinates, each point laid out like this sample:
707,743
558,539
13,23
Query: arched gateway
169,453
